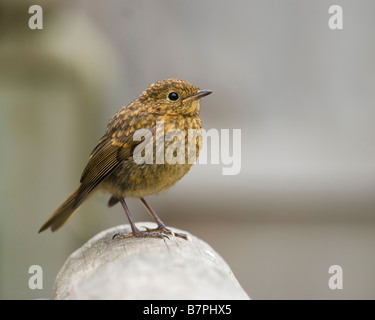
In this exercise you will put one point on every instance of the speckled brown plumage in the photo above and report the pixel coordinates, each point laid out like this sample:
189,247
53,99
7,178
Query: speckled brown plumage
111,168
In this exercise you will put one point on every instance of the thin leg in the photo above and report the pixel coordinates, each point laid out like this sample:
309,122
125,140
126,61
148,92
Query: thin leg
161,226
135,231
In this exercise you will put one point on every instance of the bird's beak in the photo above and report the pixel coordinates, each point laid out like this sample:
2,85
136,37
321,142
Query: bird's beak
198,95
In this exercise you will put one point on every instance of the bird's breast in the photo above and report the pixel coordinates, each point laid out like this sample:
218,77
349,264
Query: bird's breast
166,158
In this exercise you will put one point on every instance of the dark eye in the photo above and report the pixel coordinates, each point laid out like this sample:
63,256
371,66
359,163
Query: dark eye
173,96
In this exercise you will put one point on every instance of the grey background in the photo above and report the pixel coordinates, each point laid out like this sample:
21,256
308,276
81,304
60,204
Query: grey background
302,95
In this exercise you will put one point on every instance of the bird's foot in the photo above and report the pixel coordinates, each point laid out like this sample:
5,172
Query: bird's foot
164,230
140,234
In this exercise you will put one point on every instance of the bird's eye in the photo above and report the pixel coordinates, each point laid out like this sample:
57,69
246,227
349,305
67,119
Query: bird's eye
173,96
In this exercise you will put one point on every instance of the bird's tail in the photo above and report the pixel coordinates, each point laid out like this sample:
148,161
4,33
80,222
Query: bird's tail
64,212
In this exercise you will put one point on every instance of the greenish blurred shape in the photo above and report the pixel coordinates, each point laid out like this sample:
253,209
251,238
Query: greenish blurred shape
52,89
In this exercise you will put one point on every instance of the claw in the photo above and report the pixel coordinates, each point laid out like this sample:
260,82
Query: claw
161,229
140,234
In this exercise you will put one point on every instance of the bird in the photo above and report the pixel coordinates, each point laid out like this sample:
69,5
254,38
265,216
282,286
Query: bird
117,164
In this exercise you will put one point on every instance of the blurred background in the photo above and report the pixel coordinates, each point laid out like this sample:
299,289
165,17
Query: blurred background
302,94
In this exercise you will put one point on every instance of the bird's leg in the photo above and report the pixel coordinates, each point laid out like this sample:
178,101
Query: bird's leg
135,231
161,226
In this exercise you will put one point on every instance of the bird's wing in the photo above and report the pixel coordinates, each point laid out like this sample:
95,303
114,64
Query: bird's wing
106,156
